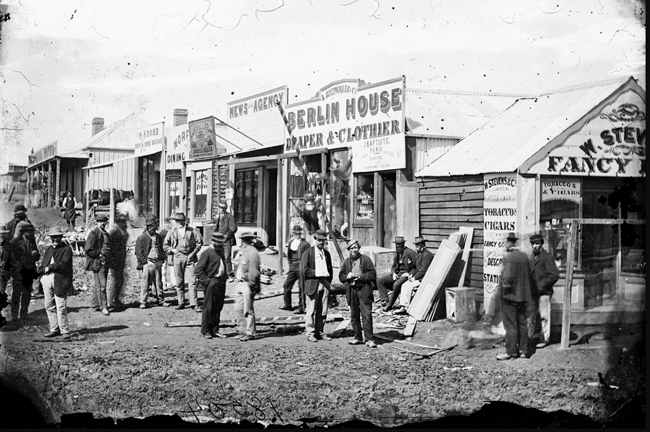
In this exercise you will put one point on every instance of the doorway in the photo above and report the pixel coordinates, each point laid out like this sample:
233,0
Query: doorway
272,205
389,209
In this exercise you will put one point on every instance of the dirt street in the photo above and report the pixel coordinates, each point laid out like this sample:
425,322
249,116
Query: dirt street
130,365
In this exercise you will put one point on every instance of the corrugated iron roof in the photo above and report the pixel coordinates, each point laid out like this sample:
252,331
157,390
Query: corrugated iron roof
119,136
504,143
451,114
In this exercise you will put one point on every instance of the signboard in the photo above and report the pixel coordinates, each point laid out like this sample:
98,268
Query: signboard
203,142
563,190
222,188
258,116
43,154
611,144
178,146
499,219
368,118
173,175
149,139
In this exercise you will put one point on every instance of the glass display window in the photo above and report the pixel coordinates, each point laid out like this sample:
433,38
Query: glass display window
200,194
245,203
364,198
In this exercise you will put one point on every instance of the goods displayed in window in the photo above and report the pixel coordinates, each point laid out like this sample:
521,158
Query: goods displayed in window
201,194
365,197
246,196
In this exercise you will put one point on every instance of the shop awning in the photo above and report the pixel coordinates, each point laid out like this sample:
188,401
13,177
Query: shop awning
522,130
109,163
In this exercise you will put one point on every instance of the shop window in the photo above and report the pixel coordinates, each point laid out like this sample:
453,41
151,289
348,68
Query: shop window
245,204
201,194
364,198
560,200
175,189
146,184
339,172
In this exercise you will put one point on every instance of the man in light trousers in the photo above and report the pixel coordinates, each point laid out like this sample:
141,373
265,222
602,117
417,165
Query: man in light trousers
248,284
57,283
184,243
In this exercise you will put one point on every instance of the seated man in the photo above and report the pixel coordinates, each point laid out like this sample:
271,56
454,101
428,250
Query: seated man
422,262
403,265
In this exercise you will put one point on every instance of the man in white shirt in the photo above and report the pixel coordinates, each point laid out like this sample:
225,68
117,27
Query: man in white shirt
316,263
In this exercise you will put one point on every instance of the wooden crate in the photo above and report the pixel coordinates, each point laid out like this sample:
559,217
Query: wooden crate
461,304
381,257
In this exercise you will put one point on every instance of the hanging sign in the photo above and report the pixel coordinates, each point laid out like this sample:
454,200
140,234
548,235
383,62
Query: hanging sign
561,189
203,141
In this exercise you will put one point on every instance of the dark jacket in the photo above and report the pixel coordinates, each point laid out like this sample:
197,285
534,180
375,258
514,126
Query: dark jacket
545,272
422,263
408,260
61,267
23,262
227,226
293,258
249,267
143,247
11,226
208,266
516,282
93,248
192,238
365,280
308,263
117,238
5,259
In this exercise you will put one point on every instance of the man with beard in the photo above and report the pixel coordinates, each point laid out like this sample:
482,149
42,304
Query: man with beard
24,254
118,237
98,260
227,226
546,274
57,283
210,272
316,265
403,266
150,255
295,248
358,273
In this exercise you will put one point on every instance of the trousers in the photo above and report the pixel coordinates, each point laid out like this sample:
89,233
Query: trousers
360,315
213,298
292,276
545,317
386,282
117,280
316,311
21,295
99,292
244,309
152,276
57,312
184,272
514,322
227,251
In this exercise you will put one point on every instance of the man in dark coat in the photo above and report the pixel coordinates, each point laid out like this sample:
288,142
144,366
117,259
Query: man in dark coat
403,266
357,273
20,214
515,290
423,260
98,260
295,248
24,256
57,283
118,237
317,270
150,256
210,273
546,274
227,226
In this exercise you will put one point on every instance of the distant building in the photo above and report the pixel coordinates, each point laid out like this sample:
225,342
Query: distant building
14,177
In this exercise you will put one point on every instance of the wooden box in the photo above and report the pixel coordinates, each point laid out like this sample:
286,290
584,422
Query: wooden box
461,304
381,257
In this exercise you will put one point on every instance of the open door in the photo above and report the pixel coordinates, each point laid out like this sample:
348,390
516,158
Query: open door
389,209
272,205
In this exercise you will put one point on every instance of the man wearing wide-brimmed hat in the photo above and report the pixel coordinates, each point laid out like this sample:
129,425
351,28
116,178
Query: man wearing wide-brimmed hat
98,260
57,282
227,226
150,255
184,242
296,246
546,274
20,214
358,273
248,277
422,262
316,265
24,255
514,288
403,266
210,273
118,237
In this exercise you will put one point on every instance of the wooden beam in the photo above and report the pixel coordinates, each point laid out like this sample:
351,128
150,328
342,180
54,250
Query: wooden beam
279,220
606,221
566,308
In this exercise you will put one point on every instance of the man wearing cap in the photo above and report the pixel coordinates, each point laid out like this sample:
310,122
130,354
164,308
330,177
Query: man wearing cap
57,282
309,214
546,274
184,242
514,288
118,237
248,275
317,270
422,262
403,265
98,260
295,248
24,254
19,215
210,272
227,226
150,255
358,273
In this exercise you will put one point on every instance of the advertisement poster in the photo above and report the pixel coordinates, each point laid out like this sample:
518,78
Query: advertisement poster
178,147
499,218
203,140
149,139
368,118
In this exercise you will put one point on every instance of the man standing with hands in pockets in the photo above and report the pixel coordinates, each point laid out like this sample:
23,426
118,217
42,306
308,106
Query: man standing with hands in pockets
317,270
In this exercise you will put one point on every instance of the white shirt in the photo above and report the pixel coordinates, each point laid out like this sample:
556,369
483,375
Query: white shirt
321,264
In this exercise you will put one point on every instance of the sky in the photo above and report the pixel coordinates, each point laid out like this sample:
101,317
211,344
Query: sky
62,63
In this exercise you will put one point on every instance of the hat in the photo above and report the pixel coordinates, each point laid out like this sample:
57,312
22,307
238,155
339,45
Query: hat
512,237
218,237
320,235
151,220
296,229
20,208
354,243
536,238
399,239
179,216
24,226
309,196
55,231
101,218
248,234
419,239
168,218
223,205
3,229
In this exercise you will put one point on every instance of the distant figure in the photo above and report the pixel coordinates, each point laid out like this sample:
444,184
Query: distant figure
227,226
295,248
57,283
210,272
316,264
69,210
248,275
168,277
546,274
118,237
98,260
24,254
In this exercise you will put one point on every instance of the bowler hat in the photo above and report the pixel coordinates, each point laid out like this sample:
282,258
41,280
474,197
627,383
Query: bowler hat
55,231
24,226
354,243
179,216
3,229
296,229
151,220
419,239
101,218
223,205
536,238
399,239
512,237
320,235
248,234
218,237
20,208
